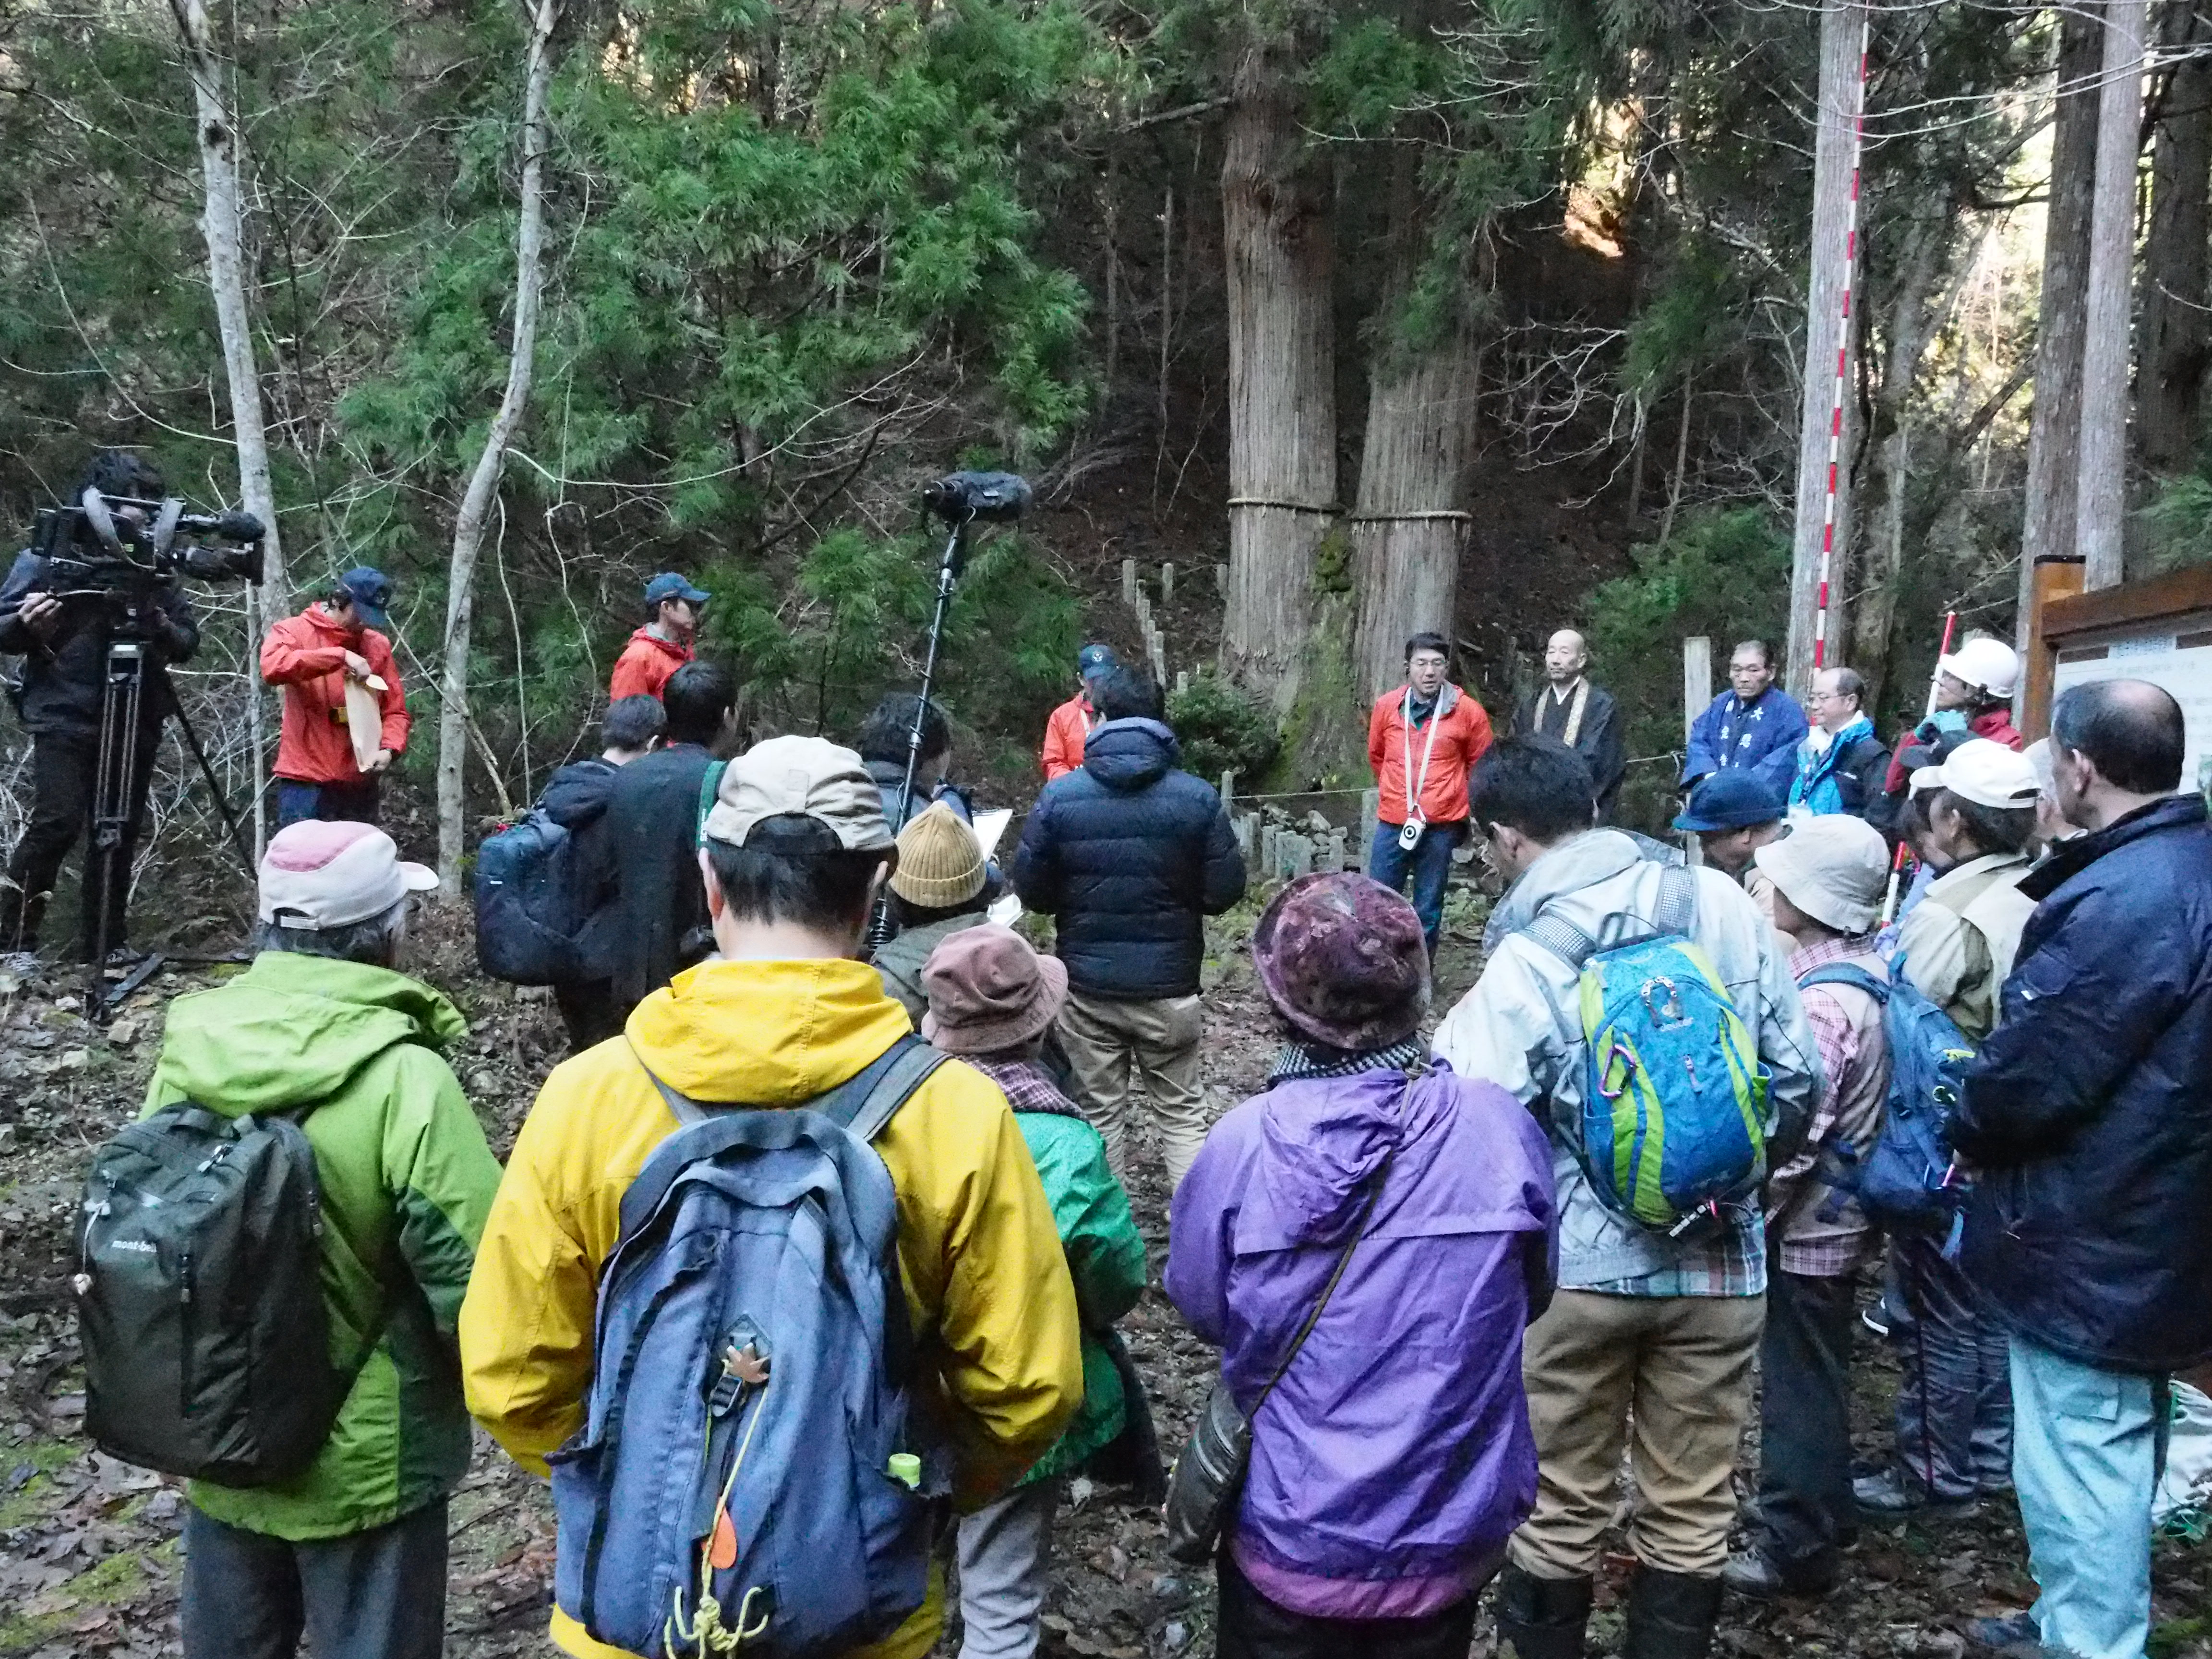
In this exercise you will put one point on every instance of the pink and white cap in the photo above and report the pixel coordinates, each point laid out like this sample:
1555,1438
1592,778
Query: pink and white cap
332,875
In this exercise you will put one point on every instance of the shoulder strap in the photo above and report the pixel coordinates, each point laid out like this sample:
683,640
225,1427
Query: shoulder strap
1677,910
710,782
1843,973
862,1104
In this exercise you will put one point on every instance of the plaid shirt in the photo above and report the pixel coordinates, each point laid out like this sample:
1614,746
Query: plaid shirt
1848,1064
1025,1084
1733,1263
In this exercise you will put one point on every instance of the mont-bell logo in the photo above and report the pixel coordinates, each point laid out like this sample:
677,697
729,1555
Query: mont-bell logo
142,1246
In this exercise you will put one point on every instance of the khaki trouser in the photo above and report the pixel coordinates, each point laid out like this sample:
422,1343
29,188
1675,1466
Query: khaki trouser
1108,1041
1668,1378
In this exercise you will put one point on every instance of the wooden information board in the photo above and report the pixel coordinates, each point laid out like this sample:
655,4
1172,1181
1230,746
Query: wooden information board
2159,630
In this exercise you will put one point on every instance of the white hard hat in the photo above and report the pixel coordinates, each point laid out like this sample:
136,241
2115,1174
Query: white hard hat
1985,664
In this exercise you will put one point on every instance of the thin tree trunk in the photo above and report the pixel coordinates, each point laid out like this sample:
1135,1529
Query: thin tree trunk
2101,507
1681,466
2054,430
1282,407
1828,340
220,223
484,483
2170,386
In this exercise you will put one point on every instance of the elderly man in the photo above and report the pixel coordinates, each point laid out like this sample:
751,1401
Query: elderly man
1841,764
1755,724
1733,814
1583,716
2087,1122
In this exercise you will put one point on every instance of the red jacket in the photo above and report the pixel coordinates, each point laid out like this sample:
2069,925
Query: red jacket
306,656
1065,734
1995,723
644,665
1462,734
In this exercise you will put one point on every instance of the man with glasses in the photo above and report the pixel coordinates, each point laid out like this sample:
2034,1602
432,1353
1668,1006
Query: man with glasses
1841,763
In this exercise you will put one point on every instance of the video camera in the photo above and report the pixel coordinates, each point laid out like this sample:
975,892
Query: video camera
92,552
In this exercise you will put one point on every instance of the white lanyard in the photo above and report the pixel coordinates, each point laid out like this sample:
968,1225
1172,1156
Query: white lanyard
1413,783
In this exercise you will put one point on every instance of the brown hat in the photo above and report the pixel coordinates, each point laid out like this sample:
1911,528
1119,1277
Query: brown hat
940,862
988,990
1342,958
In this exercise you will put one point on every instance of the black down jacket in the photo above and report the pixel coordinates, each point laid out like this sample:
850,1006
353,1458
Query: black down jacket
1127,854
2089,1110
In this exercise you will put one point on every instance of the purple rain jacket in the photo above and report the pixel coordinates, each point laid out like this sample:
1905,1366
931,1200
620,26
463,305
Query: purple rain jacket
1393,1459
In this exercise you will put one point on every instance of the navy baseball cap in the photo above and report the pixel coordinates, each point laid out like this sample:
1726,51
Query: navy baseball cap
370,589
1730,801
670,585
1095,660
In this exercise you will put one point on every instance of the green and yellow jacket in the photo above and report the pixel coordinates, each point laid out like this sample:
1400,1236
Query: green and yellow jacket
407,1181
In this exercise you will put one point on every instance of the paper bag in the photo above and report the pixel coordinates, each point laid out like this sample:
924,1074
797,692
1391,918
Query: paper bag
364,717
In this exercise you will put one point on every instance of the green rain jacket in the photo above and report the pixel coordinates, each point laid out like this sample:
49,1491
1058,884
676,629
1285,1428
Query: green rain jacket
407,1181
1106,1259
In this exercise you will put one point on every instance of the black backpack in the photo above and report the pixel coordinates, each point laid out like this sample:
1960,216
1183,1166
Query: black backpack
528,914
200,1299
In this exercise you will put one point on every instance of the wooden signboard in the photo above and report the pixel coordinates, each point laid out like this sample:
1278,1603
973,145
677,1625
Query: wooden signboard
2159,630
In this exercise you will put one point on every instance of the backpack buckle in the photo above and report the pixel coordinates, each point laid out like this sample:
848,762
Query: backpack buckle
745,1365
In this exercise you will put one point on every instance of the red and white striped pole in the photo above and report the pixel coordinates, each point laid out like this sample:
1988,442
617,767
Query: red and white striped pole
1843,358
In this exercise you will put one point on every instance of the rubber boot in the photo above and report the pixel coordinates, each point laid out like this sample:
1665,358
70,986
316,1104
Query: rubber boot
1542,1618
1670,1615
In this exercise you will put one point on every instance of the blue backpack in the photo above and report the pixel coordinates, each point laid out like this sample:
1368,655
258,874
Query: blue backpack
1673,1125
745,1474
1907,1180
527,910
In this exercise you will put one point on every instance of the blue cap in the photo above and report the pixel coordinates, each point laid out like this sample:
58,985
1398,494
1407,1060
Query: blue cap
1733,799
670,585
1095,660
370,590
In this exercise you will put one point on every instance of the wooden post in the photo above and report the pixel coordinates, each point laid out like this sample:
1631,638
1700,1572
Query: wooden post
1129,583
1167,583
2057,576
1228,787
1696,693
1370,809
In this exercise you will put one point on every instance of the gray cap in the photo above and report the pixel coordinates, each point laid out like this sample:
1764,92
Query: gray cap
1833,868
810,776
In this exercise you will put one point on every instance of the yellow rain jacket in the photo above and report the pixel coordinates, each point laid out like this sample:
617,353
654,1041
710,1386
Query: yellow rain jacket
986,1280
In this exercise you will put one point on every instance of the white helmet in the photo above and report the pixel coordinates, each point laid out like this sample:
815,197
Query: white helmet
1987,665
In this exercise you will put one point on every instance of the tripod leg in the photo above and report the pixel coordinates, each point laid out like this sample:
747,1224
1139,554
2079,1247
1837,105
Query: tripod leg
174,706
107,857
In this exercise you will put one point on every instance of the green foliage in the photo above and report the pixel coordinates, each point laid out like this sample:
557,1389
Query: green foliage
1220,726
2179,524
1726,574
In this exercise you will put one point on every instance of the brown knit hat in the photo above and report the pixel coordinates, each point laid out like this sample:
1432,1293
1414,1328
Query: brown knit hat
988,990
1342,958
940,862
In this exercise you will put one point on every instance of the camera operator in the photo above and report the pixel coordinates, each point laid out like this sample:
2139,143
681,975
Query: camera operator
312,656
63,639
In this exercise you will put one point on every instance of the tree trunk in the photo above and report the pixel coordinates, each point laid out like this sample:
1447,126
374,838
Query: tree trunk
2100,505
454,723
2170,386
220,223
1409,522
2054,431
1282,407
1830,323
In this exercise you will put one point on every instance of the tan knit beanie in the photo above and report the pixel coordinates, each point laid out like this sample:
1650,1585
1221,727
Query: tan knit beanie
940,862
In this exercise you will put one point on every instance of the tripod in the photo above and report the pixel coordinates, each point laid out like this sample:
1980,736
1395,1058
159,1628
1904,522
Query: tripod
948,572
125,751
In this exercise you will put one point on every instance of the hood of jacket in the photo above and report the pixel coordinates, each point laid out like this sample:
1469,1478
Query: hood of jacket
577,794
765,1033
1321,1141
294,1028
2068,859
1567,868
1130,754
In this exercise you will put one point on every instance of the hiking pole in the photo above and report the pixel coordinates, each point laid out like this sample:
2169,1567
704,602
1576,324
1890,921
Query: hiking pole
1934,680
961,500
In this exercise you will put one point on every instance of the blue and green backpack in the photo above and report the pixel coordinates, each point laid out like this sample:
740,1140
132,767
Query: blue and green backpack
1674,1119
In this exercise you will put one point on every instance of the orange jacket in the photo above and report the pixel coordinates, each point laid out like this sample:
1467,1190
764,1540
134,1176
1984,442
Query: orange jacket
306,656
1462,734
644,665
1065,734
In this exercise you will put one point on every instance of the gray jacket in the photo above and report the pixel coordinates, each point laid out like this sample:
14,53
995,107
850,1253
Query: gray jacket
1521,1026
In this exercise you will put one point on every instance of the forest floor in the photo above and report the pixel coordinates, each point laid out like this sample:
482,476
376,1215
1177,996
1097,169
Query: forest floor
89,1546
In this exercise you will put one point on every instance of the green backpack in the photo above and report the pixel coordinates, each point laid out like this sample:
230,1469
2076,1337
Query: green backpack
200,1300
